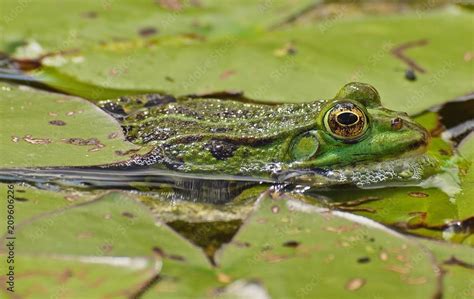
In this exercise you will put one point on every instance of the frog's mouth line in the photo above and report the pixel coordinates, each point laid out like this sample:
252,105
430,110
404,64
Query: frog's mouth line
415,148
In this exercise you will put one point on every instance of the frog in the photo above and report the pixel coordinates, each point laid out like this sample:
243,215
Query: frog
214,148
300,142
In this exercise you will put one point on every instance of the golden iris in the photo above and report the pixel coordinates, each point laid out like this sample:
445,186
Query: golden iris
346,121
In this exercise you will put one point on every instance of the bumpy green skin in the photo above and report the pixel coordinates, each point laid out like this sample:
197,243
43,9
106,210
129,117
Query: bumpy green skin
212,136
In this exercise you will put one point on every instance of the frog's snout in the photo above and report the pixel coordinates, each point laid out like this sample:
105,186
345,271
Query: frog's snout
423,138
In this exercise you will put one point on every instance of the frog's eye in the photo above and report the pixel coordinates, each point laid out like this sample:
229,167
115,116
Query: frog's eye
346,121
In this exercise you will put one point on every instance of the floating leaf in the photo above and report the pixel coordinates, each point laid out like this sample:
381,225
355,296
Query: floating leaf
90,21
309,254
316,61
30,202
47,129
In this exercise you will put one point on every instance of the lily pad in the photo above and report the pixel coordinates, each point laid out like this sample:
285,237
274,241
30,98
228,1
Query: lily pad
297,64
465,200
59,131
333,257
85,22
107,241
349,257
48,277
456,264
31,202
112,225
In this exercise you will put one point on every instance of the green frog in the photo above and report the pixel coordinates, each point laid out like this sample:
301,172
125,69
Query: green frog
315,143
204,145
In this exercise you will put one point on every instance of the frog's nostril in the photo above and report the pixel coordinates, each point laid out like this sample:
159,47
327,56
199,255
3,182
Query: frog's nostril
397,123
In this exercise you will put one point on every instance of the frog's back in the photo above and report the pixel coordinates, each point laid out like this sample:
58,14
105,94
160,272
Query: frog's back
219,136
234,119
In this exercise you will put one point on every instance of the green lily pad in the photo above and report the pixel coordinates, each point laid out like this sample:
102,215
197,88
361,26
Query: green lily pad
116,239
465,199
109,240
46,129
49,277
300,63
85,22
112,225
30,202
456,264
309,254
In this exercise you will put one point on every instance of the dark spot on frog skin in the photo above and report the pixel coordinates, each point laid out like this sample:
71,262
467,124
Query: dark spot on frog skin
158,100
410,75
218,130
220,149
57,123
128,215
418,194
292,244
169,79
363,260
147,31
114,109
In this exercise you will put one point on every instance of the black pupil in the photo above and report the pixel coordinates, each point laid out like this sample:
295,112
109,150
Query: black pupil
347,118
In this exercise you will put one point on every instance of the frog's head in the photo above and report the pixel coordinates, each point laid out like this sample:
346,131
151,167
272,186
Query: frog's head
355,129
